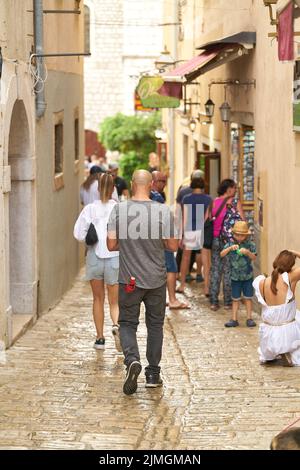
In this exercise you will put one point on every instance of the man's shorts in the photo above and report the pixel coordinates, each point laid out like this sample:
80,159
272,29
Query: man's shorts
102,269
171,265
239,287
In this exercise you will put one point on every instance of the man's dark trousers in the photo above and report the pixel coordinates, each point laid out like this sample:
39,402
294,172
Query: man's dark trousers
129,307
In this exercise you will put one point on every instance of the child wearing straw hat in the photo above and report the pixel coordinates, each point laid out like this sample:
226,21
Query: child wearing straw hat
241,252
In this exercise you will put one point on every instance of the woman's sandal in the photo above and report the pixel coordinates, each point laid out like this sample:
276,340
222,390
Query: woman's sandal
214,307
287,360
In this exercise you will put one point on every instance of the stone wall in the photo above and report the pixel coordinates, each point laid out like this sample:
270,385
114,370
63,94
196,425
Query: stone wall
125,40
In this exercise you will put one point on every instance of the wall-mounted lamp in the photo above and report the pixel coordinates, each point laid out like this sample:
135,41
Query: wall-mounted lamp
193,121
164,60
192,125
209,105
225,109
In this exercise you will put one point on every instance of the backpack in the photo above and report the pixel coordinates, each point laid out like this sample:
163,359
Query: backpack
231,217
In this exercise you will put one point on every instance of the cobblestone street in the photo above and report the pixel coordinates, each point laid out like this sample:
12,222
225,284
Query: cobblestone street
57,392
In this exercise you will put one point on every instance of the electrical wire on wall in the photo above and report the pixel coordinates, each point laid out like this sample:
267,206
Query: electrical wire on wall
38,84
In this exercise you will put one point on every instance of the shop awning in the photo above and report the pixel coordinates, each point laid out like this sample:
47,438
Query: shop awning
247,39
215,54
182,73
165,91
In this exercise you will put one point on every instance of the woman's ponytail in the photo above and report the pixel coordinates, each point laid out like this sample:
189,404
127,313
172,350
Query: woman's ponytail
284,262
274,279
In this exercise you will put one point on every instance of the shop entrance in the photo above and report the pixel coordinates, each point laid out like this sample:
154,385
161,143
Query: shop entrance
210,164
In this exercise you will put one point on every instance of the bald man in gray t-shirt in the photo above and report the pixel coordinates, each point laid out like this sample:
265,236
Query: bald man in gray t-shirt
141,230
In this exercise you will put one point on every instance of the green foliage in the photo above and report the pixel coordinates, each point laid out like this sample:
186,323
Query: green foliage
132,161
133,137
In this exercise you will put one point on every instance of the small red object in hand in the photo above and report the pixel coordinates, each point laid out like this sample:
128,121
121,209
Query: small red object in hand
131,286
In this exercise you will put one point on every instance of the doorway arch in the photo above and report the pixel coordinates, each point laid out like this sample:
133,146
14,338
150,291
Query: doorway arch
22,219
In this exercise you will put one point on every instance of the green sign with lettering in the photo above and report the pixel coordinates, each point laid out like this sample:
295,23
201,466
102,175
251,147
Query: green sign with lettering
148,90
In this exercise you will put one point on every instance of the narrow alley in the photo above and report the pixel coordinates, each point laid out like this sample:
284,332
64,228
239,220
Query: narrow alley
57,392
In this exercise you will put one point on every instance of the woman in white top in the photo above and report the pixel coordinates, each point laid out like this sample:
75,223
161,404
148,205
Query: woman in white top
89,189
279,332
102,266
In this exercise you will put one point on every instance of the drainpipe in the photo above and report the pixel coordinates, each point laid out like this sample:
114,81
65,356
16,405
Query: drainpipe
172,113
39,49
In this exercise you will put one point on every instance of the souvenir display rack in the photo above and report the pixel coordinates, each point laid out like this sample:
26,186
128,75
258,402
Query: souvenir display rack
242,167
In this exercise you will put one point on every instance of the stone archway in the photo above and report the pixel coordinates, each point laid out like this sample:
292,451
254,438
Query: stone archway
22,221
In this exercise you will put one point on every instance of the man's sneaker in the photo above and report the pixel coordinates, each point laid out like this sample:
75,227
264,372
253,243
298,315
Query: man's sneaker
250,323
199,278
231,323
116,334
99,343
133,371
153,381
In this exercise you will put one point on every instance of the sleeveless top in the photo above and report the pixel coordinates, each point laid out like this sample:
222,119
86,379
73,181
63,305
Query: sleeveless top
276,314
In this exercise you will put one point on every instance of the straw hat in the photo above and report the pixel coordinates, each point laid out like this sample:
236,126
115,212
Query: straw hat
241,228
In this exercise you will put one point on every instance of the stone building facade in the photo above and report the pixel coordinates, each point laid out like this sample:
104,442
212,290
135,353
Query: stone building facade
125,38
258,145
38,203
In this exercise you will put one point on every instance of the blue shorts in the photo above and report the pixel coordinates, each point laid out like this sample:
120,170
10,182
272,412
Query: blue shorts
171,265
102,269
239,287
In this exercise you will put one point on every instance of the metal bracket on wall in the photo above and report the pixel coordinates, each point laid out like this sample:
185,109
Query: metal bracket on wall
68,12
71,12
234,82
63,54
275,21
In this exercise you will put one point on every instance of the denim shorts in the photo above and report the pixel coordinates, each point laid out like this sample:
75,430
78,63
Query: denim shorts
171,265
106,269
239,287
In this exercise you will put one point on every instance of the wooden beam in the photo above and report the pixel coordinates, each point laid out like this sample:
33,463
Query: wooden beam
275,35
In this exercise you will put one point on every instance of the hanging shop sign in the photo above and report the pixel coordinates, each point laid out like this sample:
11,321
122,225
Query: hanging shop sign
138,104
155,93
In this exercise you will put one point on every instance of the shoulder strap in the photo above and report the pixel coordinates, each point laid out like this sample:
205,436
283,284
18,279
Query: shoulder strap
221,208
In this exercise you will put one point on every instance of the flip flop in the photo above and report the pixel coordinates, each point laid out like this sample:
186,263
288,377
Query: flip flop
182,306
179,291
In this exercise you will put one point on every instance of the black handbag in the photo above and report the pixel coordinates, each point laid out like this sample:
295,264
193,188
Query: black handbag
208,233
91,236
209,226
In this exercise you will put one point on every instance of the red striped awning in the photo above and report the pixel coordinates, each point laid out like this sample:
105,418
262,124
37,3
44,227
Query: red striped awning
191,66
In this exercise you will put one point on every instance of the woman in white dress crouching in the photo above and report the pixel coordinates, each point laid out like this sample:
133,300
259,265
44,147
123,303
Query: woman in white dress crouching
279,332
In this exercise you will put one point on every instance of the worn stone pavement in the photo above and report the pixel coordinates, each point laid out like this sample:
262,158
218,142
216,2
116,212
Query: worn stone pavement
57,392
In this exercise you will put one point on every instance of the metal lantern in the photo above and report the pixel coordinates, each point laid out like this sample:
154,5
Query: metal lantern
192,125
164,60
225,108
225,112
209,108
